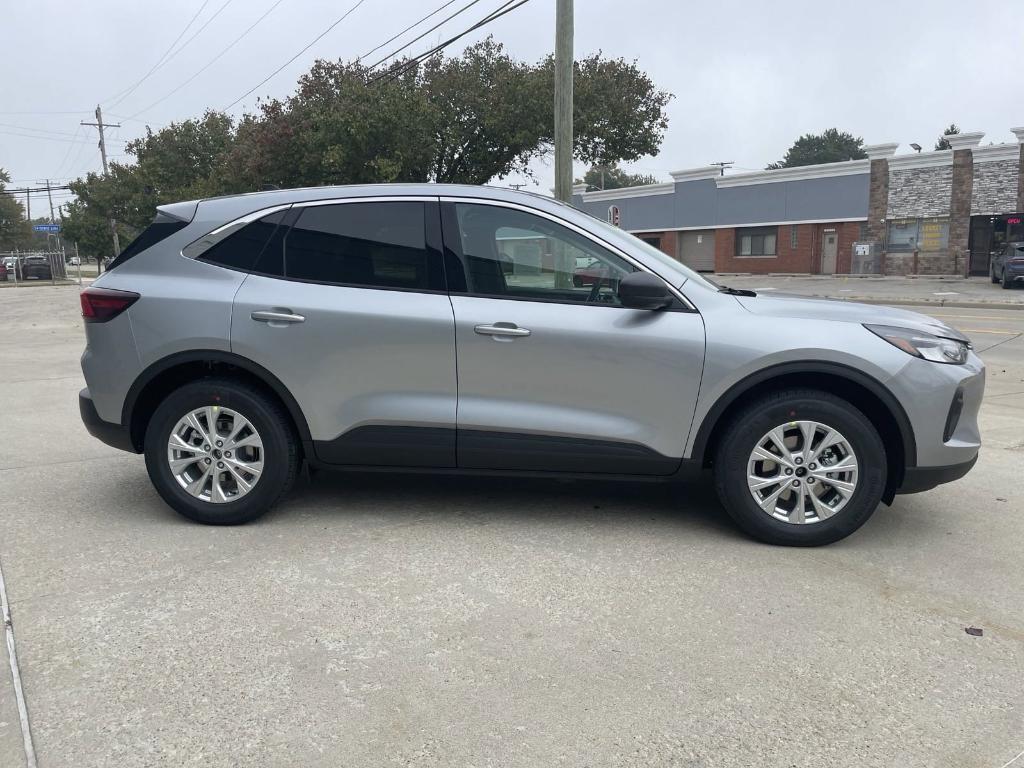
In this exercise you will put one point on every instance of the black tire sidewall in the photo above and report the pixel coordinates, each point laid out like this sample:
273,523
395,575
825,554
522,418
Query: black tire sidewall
756,421
279,451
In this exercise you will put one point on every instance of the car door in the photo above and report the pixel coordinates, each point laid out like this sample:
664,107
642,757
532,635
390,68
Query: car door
347,307
553,373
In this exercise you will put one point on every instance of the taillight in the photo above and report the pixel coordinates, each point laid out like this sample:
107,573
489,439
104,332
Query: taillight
102,304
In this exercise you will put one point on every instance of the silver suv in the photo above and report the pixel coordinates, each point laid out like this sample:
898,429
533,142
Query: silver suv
440,328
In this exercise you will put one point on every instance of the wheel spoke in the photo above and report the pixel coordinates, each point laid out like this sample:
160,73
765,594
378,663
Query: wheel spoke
217,495
807,431
763,453
843,487
250,439
768,502
756,482
254,468
180,444
244,486
211,421
846,464
193,422
798,513
180,465
831,438
196,486
779,438
237,426
821,509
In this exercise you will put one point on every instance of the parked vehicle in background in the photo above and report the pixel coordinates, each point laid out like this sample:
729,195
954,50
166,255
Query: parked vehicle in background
75,261
589,273
1008,264
238,336
35,267
3,270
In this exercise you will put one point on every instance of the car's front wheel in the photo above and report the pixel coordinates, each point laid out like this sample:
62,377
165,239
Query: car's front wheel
221,452
992,272
800,467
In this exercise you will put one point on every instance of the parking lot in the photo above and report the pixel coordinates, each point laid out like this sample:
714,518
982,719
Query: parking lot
376,620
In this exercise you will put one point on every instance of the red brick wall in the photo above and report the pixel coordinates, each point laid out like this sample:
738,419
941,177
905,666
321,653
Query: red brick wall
668,245
805,258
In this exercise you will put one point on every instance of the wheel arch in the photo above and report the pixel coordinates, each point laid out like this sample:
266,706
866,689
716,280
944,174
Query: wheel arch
863,391
170,372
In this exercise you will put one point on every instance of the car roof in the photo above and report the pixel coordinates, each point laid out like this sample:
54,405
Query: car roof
229,207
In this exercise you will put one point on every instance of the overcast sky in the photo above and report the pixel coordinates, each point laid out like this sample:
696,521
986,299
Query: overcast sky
748,77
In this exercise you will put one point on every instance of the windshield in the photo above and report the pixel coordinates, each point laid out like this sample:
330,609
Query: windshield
635,243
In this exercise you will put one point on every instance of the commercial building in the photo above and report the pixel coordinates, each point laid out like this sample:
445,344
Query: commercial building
938,212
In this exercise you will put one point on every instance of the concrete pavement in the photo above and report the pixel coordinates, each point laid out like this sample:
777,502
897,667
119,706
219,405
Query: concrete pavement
419,621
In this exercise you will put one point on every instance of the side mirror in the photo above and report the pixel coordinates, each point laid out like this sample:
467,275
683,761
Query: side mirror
642,290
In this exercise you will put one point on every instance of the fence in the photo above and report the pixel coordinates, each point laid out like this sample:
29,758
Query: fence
33,266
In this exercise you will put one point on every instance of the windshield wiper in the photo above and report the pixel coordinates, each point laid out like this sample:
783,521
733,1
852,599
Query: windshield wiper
736,291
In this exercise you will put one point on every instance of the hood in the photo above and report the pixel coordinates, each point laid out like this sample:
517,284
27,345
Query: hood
804,308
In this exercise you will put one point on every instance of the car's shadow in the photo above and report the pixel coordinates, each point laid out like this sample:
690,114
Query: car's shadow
691,505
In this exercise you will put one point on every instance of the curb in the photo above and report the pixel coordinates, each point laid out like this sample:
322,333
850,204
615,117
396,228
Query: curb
897,301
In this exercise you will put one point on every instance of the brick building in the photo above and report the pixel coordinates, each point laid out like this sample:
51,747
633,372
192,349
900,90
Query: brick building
936,212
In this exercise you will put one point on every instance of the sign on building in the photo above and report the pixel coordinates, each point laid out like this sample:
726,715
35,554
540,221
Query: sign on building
613,215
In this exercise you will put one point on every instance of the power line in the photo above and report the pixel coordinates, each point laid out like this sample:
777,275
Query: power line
393,74
209,63
293,58
32,129
122,95
417,39
51,138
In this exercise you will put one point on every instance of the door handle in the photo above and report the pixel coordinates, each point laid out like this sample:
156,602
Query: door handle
268,316
501,329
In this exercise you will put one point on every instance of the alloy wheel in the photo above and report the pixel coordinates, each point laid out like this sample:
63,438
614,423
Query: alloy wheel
215,454
802,472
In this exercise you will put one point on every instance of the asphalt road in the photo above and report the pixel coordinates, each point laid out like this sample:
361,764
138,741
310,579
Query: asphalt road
416,621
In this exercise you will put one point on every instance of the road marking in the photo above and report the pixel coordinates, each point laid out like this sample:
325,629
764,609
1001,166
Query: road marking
989,330
19,692
977,317
945,293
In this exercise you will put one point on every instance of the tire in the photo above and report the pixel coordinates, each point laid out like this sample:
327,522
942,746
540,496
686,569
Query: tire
992,273
785,410
278,452
1007,281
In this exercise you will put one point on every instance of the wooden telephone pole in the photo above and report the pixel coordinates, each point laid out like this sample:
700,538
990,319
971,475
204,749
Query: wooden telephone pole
100,125
563,99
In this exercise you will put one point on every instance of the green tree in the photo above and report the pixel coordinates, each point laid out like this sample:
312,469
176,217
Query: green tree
942,143
613,177
15,231
830,146
466,119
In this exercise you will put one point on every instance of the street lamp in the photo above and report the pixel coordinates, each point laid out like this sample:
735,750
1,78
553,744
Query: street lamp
916,147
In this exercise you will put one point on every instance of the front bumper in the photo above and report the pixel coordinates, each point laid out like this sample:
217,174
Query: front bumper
918,479
114,435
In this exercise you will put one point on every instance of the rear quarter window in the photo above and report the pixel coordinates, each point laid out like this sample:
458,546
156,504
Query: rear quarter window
242,248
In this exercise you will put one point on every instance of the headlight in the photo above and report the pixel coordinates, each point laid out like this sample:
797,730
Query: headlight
924,345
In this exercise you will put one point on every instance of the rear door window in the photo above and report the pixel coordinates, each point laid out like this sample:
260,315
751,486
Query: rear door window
372,245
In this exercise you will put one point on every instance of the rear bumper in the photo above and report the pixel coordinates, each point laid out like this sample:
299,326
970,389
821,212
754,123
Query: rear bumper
918,479
114,435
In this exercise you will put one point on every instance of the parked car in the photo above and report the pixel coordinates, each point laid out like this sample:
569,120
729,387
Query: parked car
74,261
36,267
590,272
1008,264
240,336
3,270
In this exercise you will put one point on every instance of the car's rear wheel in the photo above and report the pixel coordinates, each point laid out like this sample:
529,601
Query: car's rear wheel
221,452
1007,280
992,272
800,467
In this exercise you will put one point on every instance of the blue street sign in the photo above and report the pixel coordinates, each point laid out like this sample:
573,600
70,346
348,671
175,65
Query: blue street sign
46,227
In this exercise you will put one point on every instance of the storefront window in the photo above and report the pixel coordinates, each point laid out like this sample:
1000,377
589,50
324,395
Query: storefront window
903,234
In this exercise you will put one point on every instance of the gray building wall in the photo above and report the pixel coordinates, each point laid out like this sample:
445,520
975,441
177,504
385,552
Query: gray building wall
917,192
995,187
701,203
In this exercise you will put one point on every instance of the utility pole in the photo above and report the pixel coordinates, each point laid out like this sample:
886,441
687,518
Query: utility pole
563,99
723,164
100,125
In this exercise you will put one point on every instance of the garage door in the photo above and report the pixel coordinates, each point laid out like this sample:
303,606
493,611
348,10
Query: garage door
697,249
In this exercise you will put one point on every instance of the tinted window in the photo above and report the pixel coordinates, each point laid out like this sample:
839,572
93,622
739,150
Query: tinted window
378,245
515,254
163,226
242,248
